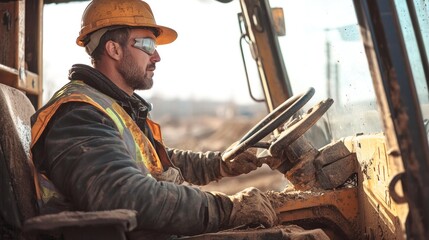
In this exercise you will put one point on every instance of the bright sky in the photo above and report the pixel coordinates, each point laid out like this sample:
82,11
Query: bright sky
203,63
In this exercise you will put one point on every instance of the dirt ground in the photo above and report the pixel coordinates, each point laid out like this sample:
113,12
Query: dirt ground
217,134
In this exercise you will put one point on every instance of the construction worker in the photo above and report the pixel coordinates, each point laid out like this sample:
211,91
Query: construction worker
97,148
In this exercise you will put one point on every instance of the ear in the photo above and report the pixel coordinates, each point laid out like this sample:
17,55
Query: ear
113,50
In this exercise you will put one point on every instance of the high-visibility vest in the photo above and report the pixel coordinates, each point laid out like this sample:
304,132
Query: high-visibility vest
140,147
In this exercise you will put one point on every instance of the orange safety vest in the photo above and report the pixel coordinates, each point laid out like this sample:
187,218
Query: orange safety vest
143,152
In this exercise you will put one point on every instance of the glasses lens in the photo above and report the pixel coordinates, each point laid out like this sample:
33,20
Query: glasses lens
147,45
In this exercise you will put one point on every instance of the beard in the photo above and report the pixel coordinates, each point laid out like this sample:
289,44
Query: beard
135,77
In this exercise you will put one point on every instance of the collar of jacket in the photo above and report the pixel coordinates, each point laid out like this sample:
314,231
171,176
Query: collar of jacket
134,105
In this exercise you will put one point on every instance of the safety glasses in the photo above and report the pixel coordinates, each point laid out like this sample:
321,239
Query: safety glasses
147,45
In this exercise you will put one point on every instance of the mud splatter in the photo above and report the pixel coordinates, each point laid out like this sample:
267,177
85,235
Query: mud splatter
279,199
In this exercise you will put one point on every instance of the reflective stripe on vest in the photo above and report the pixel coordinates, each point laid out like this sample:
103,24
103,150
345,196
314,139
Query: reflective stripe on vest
141,149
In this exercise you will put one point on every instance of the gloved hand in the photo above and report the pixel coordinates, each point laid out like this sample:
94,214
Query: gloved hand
244,163
251,206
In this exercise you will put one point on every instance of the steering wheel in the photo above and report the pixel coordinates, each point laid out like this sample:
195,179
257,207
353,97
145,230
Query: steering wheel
268,124
298,126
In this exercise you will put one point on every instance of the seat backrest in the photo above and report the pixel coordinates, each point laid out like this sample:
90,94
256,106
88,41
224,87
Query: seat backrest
18,198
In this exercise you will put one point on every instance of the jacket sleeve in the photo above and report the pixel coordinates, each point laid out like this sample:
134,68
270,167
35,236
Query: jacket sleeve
197,167
83,154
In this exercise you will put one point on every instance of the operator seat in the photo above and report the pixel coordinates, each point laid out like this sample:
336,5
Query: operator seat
18,201
18,198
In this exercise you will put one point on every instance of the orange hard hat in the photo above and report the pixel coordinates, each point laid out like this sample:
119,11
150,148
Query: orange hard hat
110,13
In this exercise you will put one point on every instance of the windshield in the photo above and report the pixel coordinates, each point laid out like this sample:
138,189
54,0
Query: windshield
323,49
412,48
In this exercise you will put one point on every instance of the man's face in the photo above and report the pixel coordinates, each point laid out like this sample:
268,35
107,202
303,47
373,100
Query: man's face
137,67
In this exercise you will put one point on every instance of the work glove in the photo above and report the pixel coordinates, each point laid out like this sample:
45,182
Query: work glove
251,207
243,163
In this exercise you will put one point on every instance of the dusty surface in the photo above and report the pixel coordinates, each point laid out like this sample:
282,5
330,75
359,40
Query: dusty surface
290,232
279,199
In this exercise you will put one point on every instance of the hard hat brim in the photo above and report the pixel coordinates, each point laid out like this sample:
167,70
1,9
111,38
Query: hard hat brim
166,36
